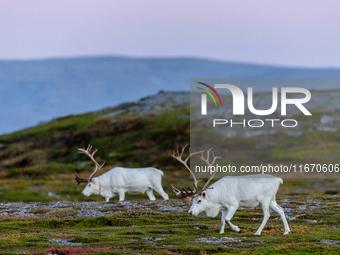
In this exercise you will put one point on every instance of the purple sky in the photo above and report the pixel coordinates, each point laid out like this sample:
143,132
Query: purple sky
289,32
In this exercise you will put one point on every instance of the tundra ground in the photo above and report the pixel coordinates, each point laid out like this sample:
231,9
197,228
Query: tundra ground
144,227
37,167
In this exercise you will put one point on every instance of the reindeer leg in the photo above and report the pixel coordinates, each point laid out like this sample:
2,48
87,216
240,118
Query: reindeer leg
266,215
121,194
224,213
229,216
150,195
280,211
159,189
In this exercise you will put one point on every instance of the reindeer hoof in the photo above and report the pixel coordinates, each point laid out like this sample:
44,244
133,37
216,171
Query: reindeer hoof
237,229
286,233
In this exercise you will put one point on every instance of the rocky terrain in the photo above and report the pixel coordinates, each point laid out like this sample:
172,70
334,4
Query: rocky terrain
138,227
324,107
42,210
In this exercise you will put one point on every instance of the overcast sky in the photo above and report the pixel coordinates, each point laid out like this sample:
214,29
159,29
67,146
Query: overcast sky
289,32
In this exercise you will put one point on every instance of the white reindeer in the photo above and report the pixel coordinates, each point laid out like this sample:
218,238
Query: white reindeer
231,193
120,180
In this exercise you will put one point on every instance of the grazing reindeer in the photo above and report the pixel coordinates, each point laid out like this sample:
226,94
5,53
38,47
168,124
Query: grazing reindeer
231,193
120,180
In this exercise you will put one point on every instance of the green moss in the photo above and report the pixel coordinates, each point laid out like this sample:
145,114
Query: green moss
69,123
179,232
44,159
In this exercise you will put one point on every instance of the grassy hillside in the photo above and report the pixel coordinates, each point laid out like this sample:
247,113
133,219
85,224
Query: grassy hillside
38,164
44,159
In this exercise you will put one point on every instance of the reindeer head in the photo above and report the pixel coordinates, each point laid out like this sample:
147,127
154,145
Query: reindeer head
92,186
187,195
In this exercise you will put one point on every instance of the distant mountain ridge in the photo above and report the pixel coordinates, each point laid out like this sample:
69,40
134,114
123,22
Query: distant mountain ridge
39,90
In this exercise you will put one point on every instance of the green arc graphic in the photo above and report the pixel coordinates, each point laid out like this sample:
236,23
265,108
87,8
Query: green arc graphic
209,94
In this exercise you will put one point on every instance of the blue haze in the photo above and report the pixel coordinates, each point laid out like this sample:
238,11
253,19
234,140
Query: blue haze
39,90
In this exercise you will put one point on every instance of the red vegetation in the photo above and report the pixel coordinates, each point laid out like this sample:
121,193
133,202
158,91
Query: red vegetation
79,250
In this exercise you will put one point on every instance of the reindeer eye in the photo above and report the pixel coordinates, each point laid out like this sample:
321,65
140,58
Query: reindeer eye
89,185
199,201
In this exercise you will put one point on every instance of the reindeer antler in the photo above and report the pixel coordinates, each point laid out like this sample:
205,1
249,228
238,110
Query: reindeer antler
91,156
185,162
206,160
187,195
